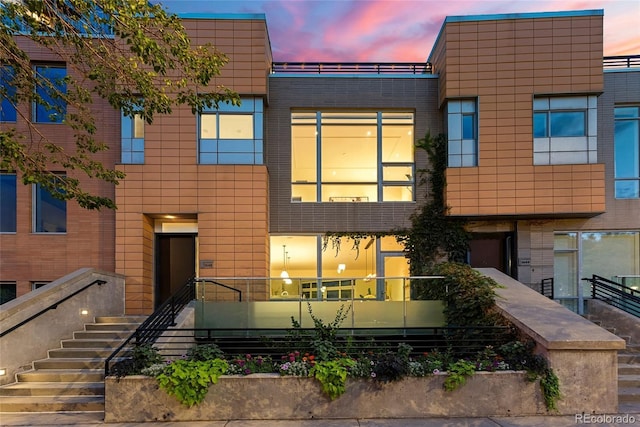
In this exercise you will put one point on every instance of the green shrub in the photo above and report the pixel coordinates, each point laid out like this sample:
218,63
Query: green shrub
469,296
457,374
189,380
332,375
142,356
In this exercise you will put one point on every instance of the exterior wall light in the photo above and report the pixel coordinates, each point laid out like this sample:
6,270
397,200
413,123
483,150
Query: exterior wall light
3,372
84,312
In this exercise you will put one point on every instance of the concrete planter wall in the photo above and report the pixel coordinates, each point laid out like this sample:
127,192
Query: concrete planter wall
270,396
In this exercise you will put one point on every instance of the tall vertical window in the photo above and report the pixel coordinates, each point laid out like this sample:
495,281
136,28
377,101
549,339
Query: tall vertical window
352,156
462,133
49,213
7,109
132,139
51,85
565,130
627,152
232,134
7,202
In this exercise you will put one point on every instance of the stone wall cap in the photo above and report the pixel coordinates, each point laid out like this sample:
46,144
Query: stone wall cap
549,323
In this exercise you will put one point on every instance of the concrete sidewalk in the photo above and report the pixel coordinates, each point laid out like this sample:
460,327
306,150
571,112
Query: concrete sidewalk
94,419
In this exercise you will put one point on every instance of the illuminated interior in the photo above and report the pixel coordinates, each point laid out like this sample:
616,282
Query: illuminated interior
377,269
352,156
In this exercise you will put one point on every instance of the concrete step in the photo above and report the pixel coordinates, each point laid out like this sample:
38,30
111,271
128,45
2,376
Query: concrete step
62,375
130,327
72,377
627,358
632,348
53,389
80,353
628,369
120,319
629,381
92,343
67,363
629,394
51,403
101,335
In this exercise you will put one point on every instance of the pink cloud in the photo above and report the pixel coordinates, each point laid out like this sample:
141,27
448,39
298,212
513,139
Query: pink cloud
397,30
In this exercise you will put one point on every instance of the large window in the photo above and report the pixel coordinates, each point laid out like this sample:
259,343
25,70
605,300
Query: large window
627,152
614,255
462,133
49,213
565,130
7,202
232,134
352,156
51,85
132,139
7,109
374,269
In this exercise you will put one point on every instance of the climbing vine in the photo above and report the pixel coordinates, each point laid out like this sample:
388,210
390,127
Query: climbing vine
434,236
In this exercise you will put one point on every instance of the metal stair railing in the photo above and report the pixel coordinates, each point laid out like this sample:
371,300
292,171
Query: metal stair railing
615,294
52,306
158,322
546,287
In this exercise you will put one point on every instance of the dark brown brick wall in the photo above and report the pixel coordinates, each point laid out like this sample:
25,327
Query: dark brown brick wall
343,93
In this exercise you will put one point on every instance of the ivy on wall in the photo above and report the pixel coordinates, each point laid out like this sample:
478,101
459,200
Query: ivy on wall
434,236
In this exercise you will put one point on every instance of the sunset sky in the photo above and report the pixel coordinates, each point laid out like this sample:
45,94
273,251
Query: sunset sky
396,30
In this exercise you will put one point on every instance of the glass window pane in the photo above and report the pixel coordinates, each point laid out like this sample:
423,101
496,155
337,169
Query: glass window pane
565,241
397,193
7,110
540,125
138,126
303,153
468,126
235,158
50,213
208,127
627,189
390,244
397,144
608,254
208,158
349,193
567,123
349,153
626,112
236,126
7,203
7,291
397,173
627,148
304,193
49,88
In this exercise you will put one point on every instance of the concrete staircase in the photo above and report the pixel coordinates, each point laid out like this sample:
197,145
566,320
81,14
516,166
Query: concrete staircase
72,377
629,375
628,367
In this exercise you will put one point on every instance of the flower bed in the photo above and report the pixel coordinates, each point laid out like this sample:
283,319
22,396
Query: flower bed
271,396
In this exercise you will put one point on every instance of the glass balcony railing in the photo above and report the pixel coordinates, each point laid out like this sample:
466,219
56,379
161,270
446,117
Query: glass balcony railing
372,302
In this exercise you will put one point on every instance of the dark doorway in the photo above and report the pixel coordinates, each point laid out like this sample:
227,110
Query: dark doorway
493,250
175,263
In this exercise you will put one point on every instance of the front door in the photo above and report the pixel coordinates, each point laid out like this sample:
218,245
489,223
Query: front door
492,250
175,264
